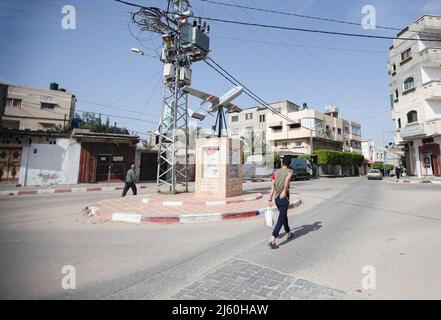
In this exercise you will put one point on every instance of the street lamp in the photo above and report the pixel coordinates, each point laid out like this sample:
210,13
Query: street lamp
138,51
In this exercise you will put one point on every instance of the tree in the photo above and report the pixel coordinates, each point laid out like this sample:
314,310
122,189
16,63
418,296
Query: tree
88,120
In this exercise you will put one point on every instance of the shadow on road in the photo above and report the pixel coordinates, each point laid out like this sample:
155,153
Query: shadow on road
302,231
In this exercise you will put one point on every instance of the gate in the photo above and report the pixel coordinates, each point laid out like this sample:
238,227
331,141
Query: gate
10,159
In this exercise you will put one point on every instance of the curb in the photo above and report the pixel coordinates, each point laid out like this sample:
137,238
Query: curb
181,218
155,202
404,181
60,190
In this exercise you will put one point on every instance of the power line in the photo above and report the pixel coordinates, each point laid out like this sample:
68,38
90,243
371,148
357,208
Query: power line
308,17
297,45
346,34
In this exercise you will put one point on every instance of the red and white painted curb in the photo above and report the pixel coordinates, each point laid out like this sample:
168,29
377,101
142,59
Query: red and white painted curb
407,181
156,202
60,190
182,218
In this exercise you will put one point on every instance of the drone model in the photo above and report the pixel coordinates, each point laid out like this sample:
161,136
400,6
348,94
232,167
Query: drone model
216,104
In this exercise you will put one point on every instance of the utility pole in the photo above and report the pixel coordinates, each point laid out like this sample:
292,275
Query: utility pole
183,44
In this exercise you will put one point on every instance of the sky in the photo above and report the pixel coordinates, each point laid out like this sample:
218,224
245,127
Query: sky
95,63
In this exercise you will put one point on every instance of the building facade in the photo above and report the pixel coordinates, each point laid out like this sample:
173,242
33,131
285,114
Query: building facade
35,109
372,152
415,93
309,129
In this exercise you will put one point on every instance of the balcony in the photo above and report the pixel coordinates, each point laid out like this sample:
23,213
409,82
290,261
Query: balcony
433,127
413,131
428,23
430,57
433,90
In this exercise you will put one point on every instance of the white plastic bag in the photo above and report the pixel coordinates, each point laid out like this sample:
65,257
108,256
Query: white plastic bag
269,217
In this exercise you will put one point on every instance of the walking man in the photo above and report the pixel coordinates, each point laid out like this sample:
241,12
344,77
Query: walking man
398,172
130,181
280,187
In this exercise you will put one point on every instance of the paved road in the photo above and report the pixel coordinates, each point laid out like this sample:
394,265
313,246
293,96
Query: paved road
343,225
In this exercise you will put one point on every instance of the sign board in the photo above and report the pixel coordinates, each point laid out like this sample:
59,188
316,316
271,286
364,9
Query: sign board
211,162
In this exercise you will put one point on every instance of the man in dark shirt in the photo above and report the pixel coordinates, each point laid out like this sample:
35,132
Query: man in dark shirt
130,181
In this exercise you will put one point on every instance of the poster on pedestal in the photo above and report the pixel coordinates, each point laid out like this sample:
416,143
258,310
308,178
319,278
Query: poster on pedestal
211,162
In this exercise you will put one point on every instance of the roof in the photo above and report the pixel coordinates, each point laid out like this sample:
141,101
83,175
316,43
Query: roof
88,136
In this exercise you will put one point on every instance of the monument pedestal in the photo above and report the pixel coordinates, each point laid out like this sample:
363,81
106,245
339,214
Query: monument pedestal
218,168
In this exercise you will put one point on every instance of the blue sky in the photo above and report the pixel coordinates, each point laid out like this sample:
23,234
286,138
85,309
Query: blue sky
95,62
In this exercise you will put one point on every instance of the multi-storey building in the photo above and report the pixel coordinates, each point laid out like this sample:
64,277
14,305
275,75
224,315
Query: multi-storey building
415,91
352,136
35,109
372,152
305,131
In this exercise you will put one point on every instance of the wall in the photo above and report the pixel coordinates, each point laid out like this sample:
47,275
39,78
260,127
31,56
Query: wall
51,164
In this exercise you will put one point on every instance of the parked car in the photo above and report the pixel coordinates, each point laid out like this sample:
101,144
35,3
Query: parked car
301,168
374,174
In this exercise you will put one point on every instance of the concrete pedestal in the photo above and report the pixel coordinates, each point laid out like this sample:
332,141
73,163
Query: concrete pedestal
218,168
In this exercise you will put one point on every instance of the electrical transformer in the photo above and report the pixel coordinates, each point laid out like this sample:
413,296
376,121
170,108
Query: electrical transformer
192,38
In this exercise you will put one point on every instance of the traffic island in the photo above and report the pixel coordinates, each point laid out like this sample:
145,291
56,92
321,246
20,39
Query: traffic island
181,208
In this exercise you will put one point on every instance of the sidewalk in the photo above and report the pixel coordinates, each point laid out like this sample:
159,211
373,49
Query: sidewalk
414,180
11,190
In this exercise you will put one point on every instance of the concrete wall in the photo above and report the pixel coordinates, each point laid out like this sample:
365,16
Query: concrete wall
49,164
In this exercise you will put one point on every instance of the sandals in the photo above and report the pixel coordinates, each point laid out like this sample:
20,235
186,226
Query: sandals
290,236
272,244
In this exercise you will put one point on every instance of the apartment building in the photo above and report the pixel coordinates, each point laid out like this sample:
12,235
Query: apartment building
250,126
371,152
309,129
415,92
25,108
352,136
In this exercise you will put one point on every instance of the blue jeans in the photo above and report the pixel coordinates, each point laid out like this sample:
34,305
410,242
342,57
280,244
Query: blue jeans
282,205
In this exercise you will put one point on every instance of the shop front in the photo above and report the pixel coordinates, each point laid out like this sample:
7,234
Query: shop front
430,159
105,157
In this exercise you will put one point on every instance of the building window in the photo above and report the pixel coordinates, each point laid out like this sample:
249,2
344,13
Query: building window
408,84
262,118
391,101
396,94
45,105
339,130
346,129
356,131
47,126
299,143
275,144
406,55
412,116
285,144
394,67
399,123
277,110
248,116
10,102
234,118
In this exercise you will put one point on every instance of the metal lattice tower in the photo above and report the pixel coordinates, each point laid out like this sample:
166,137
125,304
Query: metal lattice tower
182,44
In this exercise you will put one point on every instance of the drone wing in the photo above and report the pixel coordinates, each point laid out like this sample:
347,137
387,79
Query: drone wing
201,95
232,108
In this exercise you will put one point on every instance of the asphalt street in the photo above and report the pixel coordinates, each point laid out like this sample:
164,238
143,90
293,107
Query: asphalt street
342,226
